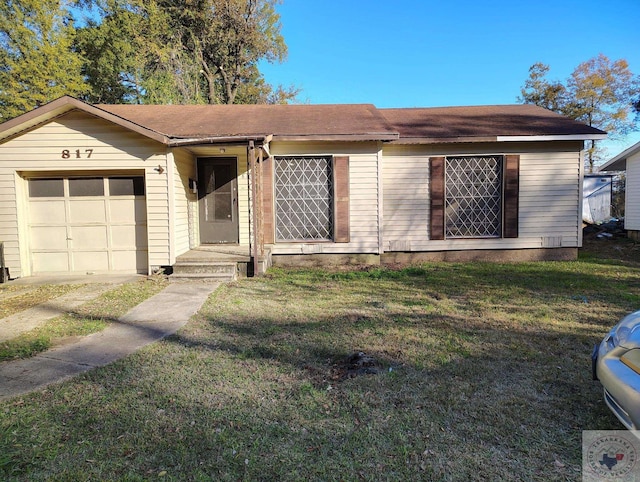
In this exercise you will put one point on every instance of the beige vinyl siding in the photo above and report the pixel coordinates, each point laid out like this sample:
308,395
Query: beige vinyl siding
632,202
363,194
9,221
183,200
243,197
549,196
115,149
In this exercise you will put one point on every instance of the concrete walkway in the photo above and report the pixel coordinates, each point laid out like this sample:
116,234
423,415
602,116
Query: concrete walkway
152,320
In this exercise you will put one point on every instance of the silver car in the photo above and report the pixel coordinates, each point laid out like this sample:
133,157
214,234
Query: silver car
616,363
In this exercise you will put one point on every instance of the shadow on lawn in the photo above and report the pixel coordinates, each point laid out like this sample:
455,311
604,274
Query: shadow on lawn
314,344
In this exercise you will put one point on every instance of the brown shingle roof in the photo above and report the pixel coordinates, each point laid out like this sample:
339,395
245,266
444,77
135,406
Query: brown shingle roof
185,124
450,123
191,121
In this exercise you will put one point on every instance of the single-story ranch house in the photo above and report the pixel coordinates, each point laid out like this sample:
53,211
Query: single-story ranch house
629,161
135,188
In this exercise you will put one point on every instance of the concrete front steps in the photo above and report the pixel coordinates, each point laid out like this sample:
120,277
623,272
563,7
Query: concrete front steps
205,270
217,263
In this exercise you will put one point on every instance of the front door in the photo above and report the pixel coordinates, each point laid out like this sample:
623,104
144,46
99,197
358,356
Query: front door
218,200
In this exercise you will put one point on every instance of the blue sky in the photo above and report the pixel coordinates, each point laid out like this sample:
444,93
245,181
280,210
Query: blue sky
405,53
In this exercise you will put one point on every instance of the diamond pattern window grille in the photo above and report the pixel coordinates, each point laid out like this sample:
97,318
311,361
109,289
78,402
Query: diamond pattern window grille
473,197
303,189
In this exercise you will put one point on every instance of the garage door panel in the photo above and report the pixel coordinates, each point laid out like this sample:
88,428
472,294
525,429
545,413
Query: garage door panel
87,211
128,210
50,262
90,261
44,212
49,238
89,237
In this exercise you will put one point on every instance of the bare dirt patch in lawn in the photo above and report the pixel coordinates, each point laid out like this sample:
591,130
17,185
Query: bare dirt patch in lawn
617,249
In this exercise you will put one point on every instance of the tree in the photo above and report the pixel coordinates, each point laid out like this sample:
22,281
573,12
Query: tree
225,39
636,108
539,91
112,66
37,64
599,93
185,51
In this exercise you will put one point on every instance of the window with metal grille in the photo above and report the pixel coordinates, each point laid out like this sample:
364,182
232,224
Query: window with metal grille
473,197
303,191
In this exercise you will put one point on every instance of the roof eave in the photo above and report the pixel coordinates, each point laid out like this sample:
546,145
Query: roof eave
441,140
337,137
557,137
619,162
614,165
63,105
193,141
476,139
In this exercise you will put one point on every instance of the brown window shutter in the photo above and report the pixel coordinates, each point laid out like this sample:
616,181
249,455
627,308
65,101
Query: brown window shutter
341,193
511,196
436,169
267,201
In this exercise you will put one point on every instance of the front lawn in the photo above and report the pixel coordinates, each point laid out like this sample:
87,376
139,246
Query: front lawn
483,374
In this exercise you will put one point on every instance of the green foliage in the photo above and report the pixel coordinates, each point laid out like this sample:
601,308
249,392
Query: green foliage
176,52
112,58
221,42
539,91
139,51
600,92
38,64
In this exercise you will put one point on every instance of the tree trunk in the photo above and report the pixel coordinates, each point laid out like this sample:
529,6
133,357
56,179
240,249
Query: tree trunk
591,151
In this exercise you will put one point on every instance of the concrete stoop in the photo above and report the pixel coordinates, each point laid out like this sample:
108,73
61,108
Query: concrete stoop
205,270
219,263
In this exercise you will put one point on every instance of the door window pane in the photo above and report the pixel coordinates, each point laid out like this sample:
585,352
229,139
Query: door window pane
126,186
46,188
86,186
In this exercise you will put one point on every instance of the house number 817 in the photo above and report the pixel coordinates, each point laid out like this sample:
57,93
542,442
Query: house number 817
66,154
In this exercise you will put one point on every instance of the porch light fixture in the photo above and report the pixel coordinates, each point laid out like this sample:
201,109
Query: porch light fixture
159,169
222,150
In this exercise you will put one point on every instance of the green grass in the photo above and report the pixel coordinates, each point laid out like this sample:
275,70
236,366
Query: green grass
485,376
90,318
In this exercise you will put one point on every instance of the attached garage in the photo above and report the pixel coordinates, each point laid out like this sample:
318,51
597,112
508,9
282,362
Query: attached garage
87,224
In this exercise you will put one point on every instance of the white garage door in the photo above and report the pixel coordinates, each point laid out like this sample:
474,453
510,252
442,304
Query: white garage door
88,224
